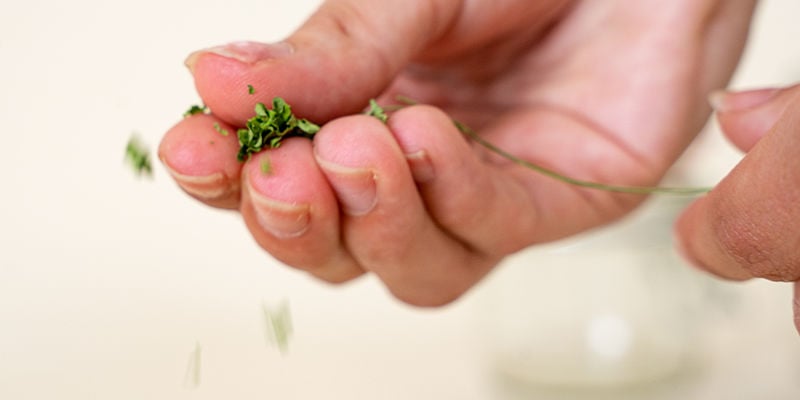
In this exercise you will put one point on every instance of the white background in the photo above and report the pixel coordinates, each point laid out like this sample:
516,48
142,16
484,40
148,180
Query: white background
108,281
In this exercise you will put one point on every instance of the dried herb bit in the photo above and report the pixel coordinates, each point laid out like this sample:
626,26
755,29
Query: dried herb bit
278,325
192,376
251,89
219,129
194,110
377,111
266,165
138,157
270,126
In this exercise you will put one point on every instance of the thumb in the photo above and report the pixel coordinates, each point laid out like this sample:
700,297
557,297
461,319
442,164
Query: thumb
745,117
346,53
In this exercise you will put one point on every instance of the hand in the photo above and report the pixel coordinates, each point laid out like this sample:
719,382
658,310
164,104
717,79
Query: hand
608,91
749,225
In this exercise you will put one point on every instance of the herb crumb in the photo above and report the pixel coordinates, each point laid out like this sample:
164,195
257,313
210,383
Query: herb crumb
270,126
375,110
219,129
195,109
278,324
251,89
266,165
138,156
192,377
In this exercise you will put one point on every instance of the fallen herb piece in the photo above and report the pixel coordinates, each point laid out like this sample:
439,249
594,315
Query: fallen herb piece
251,89
471,134
138,157
194,110
219,129
270,126
278,325
377,111
266,165
192,376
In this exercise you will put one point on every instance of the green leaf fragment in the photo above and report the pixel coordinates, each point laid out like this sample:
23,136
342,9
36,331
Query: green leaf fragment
251,89
138,156
192,376
219,129
269,127
194,110
278,325
266,165
307,126
375,110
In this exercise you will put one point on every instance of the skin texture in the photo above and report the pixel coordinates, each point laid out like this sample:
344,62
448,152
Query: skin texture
747,227
607,91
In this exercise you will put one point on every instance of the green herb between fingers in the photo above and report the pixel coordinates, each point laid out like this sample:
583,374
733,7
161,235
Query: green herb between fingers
269,127
194,110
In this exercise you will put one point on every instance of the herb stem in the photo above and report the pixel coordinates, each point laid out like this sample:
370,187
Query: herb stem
469,132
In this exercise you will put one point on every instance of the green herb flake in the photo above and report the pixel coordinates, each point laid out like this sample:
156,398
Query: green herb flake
266,165
194,110
269,127
375,110
138,157
278,325
192,376
251,89
219,129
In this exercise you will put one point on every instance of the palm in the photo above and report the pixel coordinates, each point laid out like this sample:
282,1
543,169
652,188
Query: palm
608,107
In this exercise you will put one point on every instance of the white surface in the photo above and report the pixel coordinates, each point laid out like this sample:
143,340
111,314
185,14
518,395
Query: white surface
107,282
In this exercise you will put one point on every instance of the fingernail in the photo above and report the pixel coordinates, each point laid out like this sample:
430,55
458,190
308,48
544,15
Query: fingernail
246,52
355,187
281,219
208,187
726,101
421,166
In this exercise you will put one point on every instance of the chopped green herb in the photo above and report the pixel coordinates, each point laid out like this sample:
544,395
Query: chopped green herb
251,89
138,157
266,165
270,126
278,325
377,111
219,129
192,376
195,109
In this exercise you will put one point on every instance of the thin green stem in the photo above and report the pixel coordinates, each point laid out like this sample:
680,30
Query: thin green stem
469,132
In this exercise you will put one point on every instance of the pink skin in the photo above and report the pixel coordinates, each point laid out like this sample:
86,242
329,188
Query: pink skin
748,225
557,82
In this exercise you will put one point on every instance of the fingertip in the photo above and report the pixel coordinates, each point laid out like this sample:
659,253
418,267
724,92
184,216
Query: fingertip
746,117
356,141
695,242
200,154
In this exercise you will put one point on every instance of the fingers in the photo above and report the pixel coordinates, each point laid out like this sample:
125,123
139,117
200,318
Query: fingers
385,224
476,203
292,213
748,225
350,51
346,53
202,160
745,117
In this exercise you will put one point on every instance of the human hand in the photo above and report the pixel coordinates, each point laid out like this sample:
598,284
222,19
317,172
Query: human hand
749,225
607,91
